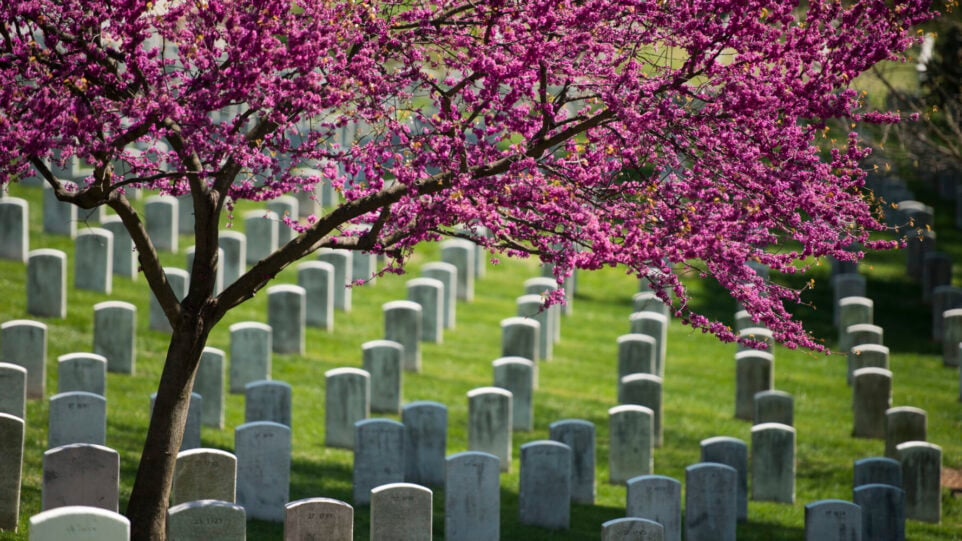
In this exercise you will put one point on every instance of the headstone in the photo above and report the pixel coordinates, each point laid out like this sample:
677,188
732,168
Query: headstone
378,456
77,417
460,253
845,285
191,439
382,360
185,214
447,274
472,497
204,474
630,442
11,469
317,279
287,318
206,520
773,463
632,529
401,512
936,271
871,398
13,390
93,260
731,452
218,271
82,372
179,281
903,424
24,343
363,267
862,333
543,286
59,218
656,498
115,329
579,435
160,213
402,324
943,298
234,261
267,401
81,474
883,511
47,283
519,338
429,294
284,206
636,354
877,470
760,335
341,261
347,400
425,442
260,227
263,469
774,407
14,229
79,523
754,373
921,479
124,260
867,356
917,244
654,325
644,390
305,519
489,423
951,336
544,497
209,384
833,520
743,320
648,301
516,374
853,311
710,502
530,307
250,354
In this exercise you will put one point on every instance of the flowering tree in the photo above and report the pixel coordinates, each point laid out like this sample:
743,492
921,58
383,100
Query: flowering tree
649,134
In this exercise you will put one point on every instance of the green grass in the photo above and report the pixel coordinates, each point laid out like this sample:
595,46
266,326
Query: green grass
580,382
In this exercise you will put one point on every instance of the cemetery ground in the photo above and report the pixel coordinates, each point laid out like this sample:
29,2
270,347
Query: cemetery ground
579,382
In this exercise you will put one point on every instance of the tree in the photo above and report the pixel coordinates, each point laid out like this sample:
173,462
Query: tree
654,135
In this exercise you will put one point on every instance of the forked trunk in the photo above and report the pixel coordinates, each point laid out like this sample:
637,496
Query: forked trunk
147,509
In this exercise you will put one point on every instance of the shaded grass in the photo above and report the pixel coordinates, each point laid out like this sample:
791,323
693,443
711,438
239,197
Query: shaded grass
580,382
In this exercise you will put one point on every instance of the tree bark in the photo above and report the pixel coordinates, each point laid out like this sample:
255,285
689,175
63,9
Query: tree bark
147,508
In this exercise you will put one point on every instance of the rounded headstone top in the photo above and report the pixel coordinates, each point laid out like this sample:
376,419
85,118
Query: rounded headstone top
207,504
721,439
463,455
263,424
755,331
763,427
95,232
319,265
630,408
517,320
954,312
401,305
541,281
905,409
421,404
286,288
772,393
249,326
754,353
78,394
378,421
46,252
457,243
439,266
111,219
75,510
872,371
13,367
13,201
315,501
23,323
81,355
168,199
910,446
661,318
114,305
830,503
845,301
371,344
400,486
876,486
653,477
306,172
174,271
712,466
425,282
254,214
546,443
206,451
333,251
512,360
266,383
629,520
71,446
214,351
233,235
571,422
861,327
346,370
479,391
530,298
636,337
8,418
641,377
870,348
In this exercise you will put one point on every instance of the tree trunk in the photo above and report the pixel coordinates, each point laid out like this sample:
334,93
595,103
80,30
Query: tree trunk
147,509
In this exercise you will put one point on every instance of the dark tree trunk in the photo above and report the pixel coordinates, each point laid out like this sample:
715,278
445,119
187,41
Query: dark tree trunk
147,509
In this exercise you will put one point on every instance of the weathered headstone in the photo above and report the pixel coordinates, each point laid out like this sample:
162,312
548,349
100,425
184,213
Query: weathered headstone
903,424
773,463
179,281
917,244
160,213
579,435
774,407
124,261
447,274
877,470
204,474
363,267
519,338
871,398
951,336
429,294
425,442
921,479
867,356
209,384
263,469
644,390
637,354
472,497
185,214
460,253
530,307
845,285
489,423
632,529
284,206
347,400
250,354
11,469
516,374
115,329
402,324
234,261
760,335
81,474
630,442
82,372
862,333
59,218
14,229
543,286
382,360
378,456
710,502
544,497
754,373
260,227
648,301
743,320
883,511
267,401
47,283
656,498
13,390
305,519
79,523
731,452
191,439
401,512
24,343
944,298
317,279
77,417
853,311
94,260
654,325
206,520
343,277
833,520
286,315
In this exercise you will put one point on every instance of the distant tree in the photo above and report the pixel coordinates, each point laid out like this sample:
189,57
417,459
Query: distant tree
654,135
